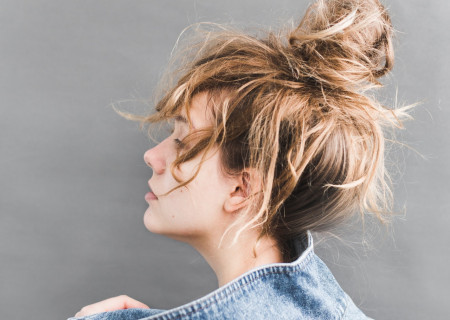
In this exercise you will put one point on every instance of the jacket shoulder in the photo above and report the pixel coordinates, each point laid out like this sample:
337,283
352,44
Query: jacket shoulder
352,312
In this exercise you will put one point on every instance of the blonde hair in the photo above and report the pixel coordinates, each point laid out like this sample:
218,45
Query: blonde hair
296,106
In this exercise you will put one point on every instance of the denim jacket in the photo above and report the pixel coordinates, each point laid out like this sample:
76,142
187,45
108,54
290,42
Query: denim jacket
302,289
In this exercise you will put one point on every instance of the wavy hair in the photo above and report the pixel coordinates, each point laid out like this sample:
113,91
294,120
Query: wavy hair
297,106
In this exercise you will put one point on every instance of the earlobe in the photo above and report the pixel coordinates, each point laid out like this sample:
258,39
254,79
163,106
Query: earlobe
242,190
234,203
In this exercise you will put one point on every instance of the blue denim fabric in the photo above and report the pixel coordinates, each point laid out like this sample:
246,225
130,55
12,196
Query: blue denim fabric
302,289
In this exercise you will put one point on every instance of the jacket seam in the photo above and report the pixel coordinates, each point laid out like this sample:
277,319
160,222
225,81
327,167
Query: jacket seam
345,307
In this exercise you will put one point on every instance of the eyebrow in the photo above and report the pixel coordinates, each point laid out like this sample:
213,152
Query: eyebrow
180,118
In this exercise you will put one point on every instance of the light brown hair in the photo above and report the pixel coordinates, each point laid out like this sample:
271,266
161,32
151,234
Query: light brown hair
296,106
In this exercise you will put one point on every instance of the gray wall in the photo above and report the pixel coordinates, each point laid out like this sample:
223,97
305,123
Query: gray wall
73,179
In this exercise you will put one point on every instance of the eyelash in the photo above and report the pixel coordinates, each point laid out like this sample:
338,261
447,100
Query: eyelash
179,144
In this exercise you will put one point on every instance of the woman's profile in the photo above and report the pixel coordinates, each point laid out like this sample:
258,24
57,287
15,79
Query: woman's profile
274,137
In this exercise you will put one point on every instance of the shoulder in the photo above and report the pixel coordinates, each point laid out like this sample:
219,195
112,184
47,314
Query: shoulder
305,289
352,312
302,289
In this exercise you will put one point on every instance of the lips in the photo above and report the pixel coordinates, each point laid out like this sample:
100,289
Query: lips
150,195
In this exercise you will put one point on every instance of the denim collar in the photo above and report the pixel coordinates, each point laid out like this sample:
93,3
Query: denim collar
301,289
305,251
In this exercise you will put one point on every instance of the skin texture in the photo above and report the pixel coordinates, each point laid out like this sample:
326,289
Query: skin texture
199,213
195,213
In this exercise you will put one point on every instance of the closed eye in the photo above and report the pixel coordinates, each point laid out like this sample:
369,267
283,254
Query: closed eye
178,143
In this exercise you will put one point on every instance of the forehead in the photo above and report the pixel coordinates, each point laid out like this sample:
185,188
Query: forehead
198,111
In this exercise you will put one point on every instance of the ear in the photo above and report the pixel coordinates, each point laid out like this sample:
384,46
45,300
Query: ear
243,186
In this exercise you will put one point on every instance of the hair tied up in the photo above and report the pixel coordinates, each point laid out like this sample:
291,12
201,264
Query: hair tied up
344,42
293,106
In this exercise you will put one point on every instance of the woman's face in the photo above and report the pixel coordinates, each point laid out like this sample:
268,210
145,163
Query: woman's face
195,211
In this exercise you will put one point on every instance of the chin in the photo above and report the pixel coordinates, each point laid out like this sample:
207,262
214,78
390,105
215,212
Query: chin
153,225
149,224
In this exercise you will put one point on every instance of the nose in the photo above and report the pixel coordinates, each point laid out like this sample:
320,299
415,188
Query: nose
156,159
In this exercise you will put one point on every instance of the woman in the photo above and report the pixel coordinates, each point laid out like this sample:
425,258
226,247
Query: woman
273,137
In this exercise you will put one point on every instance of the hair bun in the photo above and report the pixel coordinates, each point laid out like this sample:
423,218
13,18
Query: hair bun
344,42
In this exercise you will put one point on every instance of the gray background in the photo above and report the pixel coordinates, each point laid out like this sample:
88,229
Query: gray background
72,178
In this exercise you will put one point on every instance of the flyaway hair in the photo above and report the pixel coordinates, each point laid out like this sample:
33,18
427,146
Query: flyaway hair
298,107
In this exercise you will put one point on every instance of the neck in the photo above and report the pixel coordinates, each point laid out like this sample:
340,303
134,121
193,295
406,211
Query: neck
231,261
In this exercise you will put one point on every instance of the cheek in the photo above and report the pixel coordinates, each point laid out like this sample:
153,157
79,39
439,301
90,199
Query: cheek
175,203
207,191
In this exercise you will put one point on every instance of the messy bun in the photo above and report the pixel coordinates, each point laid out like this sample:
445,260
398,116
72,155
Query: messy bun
344,42
295,106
